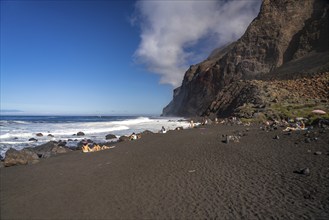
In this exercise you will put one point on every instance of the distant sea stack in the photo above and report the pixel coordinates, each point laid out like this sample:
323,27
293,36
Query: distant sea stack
288,40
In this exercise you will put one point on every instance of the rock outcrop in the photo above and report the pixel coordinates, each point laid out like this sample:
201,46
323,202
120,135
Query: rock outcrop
288,37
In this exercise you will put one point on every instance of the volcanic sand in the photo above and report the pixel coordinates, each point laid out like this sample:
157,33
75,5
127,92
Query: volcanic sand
188,174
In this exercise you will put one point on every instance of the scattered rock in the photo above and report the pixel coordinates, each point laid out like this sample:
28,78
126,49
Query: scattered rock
233,138
33,139
62,143
22,157
276,137
179,128
307,140
145,132
50,135
304,171
39,134
317,153
80,133
227,140
110,136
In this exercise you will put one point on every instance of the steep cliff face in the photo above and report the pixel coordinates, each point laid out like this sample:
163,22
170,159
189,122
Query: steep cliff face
283,33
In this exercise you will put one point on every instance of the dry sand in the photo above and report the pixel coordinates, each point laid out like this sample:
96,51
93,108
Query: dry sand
189,174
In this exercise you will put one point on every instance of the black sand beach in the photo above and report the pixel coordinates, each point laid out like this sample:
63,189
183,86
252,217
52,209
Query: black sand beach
188,174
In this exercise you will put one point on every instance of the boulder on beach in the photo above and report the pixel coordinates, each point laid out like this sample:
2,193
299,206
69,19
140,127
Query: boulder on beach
146,132
39,134
80,133
124,138
50,135
50,149
110,136
22,157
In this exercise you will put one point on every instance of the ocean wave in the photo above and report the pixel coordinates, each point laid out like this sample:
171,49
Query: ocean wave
9,122
134,121
15,135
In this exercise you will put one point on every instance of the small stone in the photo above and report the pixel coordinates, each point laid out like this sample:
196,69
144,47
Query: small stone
309,151
317,153
277,137
39,134
304,171
307,140
50,135
227,140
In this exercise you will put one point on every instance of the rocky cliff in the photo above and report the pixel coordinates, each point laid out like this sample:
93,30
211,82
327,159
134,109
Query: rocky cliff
287,38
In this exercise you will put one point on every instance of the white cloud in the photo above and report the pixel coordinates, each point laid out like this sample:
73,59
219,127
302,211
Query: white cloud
169,28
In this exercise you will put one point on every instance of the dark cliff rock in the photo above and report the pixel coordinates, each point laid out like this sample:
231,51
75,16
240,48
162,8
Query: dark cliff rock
286,37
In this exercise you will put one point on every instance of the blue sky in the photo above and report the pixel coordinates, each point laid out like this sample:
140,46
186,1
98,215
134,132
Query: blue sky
96,57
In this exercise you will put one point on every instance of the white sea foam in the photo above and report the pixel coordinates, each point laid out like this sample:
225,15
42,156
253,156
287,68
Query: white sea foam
17,133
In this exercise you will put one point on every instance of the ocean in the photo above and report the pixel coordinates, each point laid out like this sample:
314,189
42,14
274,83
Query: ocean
15,131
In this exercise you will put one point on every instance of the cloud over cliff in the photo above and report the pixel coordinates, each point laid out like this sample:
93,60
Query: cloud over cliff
174,32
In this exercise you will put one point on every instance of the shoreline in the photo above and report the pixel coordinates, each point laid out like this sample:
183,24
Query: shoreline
185,174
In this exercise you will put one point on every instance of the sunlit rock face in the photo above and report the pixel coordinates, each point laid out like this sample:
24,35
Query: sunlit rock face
284,35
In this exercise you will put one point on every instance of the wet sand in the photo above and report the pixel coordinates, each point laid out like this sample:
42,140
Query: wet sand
188,174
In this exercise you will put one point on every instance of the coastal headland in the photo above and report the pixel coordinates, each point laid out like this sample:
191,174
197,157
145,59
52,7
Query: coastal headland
223,171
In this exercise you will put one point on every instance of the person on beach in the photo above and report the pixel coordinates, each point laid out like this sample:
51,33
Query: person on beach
133,136
191,124
163,130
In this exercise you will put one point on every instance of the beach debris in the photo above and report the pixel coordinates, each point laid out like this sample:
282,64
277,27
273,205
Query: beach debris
317,153
80,133
191,171
22,157
39,134
233,138
303,171
319,111
110,136
298,126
